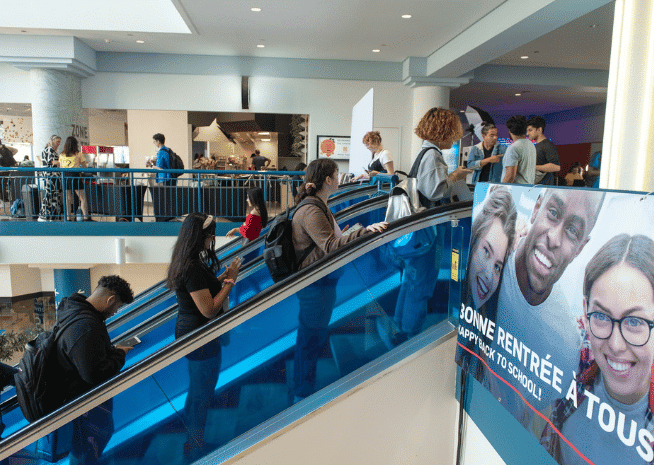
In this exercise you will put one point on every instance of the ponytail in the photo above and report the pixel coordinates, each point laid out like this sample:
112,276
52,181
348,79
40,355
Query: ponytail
314,178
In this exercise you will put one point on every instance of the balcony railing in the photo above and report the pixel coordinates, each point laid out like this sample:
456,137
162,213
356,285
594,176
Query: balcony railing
56,194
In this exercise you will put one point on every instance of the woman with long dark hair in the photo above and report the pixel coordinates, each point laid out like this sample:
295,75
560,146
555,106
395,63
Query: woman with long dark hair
71,157
201,296
315,234
257,218
616,360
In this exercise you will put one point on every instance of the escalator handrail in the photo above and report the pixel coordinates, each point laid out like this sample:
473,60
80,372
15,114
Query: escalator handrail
215,328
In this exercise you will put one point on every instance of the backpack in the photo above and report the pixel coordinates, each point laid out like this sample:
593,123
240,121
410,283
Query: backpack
424,201
176,163
37,381
279,252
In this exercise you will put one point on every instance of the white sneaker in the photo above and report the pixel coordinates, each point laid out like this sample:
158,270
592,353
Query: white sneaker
42,220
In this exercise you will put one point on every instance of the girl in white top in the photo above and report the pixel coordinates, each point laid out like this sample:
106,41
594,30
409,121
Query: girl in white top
381,160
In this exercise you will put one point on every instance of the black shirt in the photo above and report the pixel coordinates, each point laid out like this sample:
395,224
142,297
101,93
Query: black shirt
485,171
189,317
546,153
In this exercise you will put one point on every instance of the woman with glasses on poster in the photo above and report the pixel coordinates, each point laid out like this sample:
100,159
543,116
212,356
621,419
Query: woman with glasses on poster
614,384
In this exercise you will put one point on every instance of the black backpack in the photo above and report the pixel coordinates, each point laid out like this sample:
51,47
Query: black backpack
176,163
424,201
38,381
278,252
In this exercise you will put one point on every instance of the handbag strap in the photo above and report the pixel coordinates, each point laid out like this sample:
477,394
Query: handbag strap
416,164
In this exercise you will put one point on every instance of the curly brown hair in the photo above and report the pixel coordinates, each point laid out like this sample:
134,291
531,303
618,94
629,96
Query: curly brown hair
372,138
439,125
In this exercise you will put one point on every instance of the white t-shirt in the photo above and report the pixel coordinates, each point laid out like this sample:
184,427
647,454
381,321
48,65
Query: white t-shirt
383,156
521,154
546,329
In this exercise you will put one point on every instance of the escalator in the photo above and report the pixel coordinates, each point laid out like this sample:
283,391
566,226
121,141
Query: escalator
157,305
256,369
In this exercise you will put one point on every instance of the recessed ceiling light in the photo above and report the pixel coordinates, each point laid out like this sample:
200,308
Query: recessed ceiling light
140,41
376,50
406,16
260,46
106,41
8,108
265,140
524,57
255,9
518,95
264,133
462,111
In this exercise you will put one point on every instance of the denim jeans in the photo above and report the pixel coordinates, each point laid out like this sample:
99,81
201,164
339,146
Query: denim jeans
203,376
419,276
316,305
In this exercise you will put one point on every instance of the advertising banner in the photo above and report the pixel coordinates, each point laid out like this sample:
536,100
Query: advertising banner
557,314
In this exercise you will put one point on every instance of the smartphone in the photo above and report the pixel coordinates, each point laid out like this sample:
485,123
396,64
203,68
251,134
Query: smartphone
351,229
131,342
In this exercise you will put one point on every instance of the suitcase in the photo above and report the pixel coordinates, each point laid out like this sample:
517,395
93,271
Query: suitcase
31,201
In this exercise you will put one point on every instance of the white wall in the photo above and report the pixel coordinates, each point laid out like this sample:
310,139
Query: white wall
107,128
25,280
15,86
143,124
327,102
405,416
5,281
140,277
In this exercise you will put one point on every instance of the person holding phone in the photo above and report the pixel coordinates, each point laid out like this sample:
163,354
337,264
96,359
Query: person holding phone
202,295
381,161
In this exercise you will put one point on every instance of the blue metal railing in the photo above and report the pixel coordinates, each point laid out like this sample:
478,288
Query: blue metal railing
131,194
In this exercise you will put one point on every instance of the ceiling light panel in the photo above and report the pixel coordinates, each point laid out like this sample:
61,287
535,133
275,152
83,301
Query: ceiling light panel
98,16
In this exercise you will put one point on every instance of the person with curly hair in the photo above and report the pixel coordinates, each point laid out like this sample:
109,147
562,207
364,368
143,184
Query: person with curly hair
381,161
439,129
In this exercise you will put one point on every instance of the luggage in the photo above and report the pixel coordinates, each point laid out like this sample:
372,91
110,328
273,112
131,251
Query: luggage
31,201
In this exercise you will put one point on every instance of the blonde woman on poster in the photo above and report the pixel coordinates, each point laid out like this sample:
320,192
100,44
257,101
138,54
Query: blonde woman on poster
609,417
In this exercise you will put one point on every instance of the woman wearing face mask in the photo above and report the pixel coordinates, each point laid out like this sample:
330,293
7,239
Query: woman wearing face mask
616,358
315,234
201,296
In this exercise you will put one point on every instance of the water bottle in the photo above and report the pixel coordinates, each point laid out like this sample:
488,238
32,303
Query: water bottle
80,217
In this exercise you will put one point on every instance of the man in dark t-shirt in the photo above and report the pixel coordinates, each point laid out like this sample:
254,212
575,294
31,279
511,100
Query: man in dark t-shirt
547,157
259,161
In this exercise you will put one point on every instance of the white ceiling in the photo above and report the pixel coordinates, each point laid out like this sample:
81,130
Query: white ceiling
574,45
350,30
335,29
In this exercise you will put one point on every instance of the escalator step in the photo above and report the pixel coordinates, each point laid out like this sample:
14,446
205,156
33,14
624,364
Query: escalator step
258,403
352,351
166,449
221,424
326,373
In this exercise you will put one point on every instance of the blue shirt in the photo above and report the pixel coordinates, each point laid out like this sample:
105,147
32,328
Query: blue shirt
596,162
163,162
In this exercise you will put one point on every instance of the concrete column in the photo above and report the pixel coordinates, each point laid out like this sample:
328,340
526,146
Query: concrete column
67,282
628,146
57,107
424,99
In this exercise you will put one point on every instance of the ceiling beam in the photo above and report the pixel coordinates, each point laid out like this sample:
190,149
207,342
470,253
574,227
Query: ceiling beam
511,25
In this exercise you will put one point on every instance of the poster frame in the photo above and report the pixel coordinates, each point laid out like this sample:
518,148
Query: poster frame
337,139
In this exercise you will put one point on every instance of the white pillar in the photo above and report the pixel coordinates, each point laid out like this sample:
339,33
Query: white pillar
628,146
56,107
424,99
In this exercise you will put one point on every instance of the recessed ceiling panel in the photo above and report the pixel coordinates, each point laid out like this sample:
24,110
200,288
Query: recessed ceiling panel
85,15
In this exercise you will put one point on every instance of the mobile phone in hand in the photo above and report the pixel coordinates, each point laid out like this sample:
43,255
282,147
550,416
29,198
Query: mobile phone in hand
131,342
352,229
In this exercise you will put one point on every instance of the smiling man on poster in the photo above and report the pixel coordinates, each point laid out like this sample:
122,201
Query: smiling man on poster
532,309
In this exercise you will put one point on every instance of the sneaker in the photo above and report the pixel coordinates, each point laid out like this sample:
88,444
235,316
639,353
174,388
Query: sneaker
42,220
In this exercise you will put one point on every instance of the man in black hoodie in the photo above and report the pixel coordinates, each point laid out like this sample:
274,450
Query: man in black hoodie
86,359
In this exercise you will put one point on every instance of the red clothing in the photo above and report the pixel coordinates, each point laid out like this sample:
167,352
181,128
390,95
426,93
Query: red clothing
252,227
